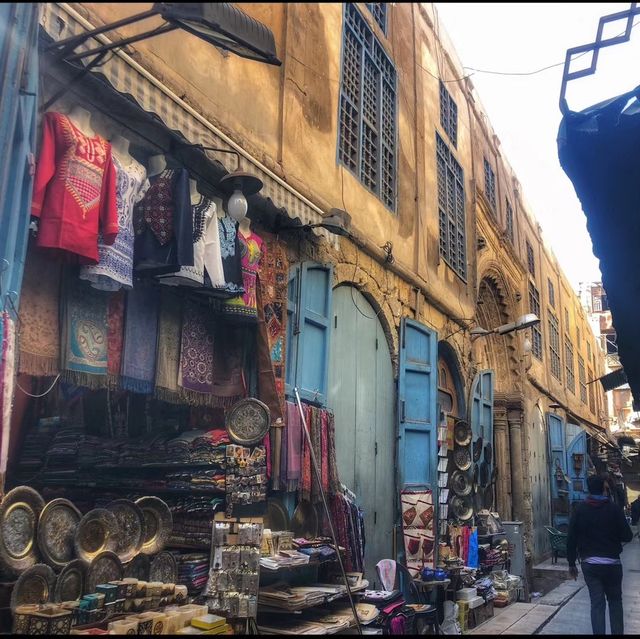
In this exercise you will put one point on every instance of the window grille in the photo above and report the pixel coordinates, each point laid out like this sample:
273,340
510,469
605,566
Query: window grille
554,346
379,12
490,184
451,208
552,293
583,380
531,262
367,134
510,233
568,364
448,115
536,333
592,403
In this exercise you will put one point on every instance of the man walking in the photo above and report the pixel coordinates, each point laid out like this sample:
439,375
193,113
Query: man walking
596,530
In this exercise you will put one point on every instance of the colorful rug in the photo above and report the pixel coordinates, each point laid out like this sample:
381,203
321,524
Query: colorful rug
196,353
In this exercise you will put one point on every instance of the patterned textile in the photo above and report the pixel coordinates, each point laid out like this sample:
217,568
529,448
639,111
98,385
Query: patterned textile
196,353
294,445
251,253
267,389
228,372
39,344
115,262
324,455
230,254
84,333
315,423
157,208
169,338
387,570
115,335
7,383
74,191
334,481
141,330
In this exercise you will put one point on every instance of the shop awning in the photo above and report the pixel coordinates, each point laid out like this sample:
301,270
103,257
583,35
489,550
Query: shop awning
598,150
123,74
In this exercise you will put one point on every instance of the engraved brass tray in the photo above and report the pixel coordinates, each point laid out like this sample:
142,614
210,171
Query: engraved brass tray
164,568
70,583
138,568
96,533
131,528
248,422
56,532
34,586
19,514
158,524
104,568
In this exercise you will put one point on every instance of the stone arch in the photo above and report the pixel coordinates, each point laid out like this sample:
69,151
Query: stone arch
447,352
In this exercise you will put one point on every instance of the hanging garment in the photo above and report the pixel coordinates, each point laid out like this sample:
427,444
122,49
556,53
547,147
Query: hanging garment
114,269
169,338
231,256
115,336
7,388
267,390
294,445
163,225
84,333
74,191
203,216
39,344
196,353
141,331
251,253
228,371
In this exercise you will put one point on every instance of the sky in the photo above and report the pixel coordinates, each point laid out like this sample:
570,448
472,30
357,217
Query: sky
523,110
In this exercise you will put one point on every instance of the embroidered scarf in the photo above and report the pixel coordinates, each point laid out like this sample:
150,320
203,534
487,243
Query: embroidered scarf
84,333
196,354
140,336
169,336
115,336
294,445
39,344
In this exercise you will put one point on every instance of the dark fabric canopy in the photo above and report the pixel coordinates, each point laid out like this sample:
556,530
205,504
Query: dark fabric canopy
599,149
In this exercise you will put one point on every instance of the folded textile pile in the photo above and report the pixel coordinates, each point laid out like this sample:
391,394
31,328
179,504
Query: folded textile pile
284,559
193,571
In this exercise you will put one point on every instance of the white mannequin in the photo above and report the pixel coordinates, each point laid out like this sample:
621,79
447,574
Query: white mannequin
120,148
219,209
244,226
157,164
193,191
82,119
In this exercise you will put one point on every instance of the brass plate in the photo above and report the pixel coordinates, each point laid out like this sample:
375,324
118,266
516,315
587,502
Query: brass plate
462,458
131,528
277,517
138,568
56,532
462,434
248,422
97,532
70,583
34,586
460,483
158,524
104,568
19,514
304,522
462,507
164,568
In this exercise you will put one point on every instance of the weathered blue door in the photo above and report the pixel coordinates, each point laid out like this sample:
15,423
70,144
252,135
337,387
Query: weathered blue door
482,410
18,98
361,395
417,405
558,470
576,442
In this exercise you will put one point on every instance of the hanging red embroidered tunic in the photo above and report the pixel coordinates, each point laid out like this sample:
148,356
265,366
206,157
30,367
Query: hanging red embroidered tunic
74,192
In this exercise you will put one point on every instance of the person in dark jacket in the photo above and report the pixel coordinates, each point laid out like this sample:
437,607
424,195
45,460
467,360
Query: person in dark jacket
596,531
635,511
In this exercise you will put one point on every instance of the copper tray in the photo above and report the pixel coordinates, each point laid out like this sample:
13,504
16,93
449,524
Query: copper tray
158,524
97,532
138,568
70,583
34,586
56,532
462,457
131,528
164,568
19,514
248,422
462,434
104,568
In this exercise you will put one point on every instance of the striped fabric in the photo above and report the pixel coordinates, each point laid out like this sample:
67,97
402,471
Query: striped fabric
154,97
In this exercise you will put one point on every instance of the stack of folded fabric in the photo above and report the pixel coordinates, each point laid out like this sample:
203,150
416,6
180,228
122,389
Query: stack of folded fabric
284,559
193,571
282,596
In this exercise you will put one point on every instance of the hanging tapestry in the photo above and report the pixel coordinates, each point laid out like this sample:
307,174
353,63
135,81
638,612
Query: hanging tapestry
115,336
169,337
39,346
418,528
196,354
294,446
84,333
140,335
228,373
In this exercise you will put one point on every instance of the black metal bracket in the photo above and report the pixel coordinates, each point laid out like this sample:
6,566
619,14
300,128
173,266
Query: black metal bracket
212,148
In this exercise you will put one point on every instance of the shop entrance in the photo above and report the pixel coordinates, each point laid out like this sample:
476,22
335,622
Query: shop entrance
361,394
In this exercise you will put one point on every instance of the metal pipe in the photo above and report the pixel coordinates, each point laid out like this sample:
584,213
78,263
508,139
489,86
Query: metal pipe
314,463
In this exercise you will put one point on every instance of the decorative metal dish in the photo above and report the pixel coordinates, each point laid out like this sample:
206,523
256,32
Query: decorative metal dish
460,483
158,524
164,568
248,421
104,568
304,522
97,532
56,532
277,517
462,434
461,507
131,528
70,583
19,514
138,568
462,458
477,449
34,586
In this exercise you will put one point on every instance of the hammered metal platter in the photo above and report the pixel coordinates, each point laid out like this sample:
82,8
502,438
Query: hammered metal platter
104,568
164,568
34,586
248,421
131,528
97,532
138,568
57,526
19,514
158,524
70,583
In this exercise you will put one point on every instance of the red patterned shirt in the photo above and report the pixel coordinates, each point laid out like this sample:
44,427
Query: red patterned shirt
74,192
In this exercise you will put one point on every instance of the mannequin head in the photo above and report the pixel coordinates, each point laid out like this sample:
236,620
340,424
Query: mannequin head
82,119
120,146
244,226
157,164
193,190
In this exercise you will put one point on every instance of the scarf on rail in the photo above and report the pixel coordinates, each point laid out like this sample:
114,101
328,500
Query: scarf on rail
84,333
169,339
228,370
115,337
196,353
140,337
294,446
39,345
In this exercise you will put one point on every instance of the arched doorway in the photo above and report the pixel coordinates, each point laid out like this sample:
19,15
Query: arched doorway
361,395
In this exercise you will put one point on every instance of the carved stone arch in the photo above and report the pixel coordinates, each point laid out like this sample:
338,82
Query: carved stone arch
450,354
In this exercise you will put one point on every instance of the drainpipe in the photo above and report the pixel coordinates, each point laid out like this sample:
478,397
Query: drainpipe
514,417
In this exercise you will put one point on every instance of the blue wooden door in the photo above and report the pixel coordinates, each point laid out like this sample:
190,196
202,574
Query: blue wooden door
576,442
482,410
558,470
417,405
361,394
